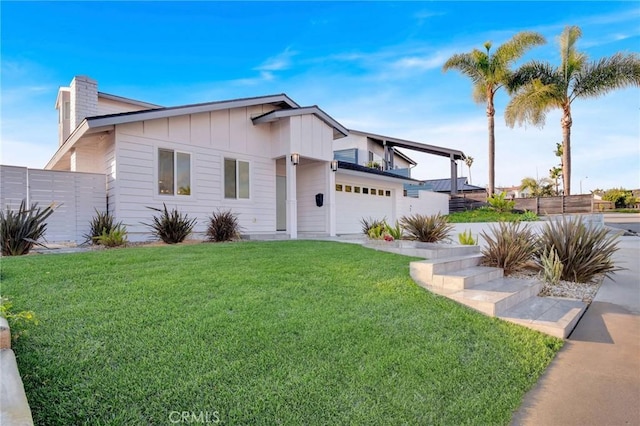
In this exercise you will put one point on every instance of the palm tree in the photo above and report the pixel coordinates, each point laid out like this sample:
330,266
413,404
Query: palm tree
469,161
538,188
489,72
555,173
538,87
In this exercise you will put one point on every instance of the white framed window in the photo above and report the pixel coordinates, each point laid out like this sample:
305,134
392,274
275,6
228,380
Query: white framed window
236,179
174,172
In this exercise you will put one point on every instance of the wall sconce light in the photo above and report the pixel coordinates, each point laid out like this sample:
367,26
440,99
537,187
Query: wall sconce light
295,158
334,165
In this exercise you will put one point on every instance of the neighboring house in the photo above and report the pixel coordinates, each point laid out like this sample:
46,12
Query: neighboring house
267,159
443,186
515,192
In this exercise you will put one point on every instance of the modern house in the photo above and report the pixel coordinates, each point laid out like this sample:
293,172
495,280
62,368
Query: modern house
282,167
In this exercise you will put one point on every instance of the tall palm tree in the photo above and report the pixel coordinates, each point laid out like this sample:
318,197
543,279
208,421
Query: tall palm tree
538,87
469,161
489,71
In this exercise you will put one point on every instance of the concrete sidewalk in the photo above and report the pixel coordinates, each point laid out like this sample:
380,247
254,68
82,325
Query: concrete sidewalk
595,379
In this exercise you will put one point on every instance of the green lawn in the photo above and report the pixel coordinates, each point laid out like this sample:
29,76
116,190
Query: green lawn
486,214
294,332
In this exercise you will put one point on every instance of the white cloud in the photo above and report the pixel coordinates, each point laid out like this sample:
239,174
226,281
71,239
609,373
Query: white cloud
279,62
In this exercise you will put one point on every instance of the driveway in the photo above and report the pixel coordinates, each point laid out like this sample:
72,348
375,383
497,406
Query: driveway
624,221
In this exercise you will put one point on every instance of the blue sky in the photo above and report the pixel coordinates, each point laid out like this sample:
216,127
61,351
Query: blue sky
372,66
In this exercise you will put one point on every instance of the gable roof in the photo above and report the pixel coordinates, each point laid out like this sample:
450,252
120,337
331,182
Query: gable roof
339,131
105,122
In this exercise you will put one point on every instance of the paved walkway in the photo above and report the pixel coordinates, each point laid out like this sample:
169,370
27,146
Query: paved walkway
595,379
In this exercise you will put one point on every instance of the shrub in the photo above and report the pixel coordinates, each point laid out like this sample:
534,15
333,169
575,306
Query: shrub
21,230
115,237
101,223
551,266
466,238
369,222
509,246
500,204
428,229
585,251
223,226
529,216
171,227
377,232
620,197
396,232
17,320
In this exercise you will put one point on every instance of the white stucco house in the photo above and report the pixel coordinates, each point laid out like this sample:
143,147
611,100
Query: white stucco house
282,167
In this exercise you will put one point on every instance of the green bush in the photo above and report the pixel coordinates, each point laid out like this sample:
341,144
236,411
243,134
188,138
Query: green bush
223,226
115,237
466,238
369,222
620,197
584,251
499,203
509,246
101,223
171,227
529,216
21,230
428,229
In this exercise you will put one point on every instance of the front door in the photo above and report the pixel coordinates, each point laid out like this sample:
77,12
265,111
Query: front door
281,203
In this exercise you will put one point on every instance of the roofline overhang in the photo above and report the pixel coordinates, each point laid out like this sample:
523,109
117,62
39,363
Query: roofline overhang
339,131
153,114
415,146
82,130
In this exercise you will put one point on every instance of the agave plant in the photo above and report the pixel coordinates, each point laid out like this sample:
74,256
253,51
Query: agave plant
510,246
428,229
171,227
223,226
585,251
20,230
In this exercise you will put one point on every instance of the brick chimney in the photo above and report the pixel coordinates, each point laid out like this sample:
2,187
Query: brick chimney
74,104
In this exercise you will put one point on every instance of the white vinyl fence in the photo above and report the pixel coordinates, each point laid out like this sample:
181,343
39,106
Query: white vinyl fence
75,196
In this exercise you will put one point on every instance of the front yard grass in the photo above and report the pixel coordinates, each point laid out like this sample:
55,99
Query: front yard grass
294,332
486,215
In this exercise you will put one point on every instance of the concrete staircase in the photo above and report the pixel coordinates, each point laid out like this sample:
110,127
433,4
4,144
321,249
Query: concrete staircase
461,278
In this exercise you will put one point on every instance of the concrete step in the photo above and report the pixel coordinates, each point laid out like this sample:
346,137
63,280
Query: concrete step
497,296
14,407
467,277
422,271
424,250
551,315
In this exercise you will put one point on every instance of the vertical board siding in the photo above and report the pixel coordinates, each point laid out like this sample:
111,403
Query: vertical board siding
74,195
312,180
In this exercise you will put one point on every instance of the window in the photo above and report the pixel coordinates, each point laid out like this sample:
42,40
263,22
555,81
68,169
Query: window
380,192
347,188
66,111
387,193
338,187
373,191
365,190
174,171
356,189
236,178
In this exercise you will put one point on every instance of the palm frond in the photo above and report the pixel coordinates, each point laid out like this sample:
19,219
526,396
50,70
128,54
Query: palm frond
608,74
567,42
469,64
516,47
530,71
531,104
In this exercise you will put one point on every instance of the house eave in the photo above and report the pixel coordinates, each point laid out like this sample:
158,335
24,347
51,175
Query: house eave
415,146
339,131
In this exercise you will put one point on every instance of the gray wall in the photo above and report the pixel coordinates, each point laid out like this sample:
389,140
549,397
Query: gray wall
75,196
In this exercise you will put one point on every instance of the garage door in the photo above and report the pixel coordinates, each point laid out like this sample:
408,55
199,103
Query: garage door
355,201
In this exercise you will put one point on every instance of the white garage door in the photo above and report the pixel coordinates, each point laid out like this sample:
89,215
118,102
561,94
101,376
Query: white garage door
355,201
